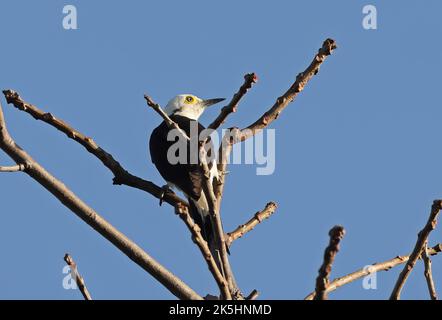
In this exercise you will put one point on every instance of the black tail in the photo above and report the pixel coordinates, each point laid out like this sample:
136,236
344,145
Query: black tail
202,219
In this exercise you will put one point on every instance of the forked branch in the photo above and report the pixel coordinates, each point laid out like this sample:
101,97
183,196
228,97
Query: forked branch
283,101
183,213
421,241
70,200
121,175
376,267
428,272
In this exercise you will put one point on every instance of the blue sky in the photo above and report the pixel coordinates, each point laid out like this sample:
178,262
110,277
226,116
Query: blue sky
359,147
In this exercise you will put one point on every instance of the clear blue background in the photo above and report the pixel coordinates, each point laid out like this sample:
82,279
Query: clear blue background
359,147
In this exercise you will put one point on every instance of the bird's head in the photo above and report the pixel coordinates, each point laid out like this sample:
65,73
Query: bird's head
189,106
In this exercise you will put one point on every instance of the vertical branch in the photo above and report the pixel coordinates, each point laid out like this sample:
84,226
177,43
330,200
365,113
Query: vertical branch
78,278
421,241
183,212
216,219
428,272
322,281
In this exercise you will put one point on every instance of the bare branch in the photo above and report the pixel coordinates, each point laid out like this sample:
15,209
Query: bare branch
259,217
322,281
175,285
282,102
249,80
183,213
381,266
421,240
428,272
253,295
121,175
16,168
170,123
235,135
78,278
216,219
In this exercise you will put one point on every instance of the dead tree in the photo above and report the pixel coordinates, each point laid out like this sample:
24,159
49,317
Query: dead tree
223,274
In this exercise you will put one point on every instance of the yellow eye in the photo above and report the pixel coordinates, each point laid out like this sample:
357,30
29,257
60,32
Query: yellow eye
189,99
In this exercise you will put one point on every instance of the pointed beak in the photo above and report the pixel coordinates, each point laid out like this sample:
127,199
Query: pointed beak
210,102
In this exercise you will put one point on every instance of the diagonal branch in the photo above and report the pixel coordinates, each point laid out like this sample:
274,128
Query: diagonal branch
259,217
381,266
121,175
322,281
428,272
282,102
78,278
170,123
421,241
249,80
70,200
183,213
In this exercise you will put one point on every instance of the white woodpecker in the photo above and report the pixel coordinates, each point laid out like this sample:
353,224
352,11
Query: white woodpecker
185,110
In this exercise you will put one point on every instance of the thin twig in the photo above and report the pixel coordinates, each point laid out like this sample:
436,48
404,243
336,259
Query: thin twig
170,123
121,175
428,272
322,281
421,240
70,200
249,80
78,278
259,217
363,272
16,168
183,213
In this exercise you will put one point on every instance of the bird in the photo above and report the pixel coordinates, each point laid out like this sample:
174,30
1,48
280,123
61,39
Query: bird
185,175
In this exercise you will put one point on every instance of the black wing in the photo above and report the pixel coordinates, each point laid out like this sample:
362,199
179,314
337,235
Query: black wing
186,176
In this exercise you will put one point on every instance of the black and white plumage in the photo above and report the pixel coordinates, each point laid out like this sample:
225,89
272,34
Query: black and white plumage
187,177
